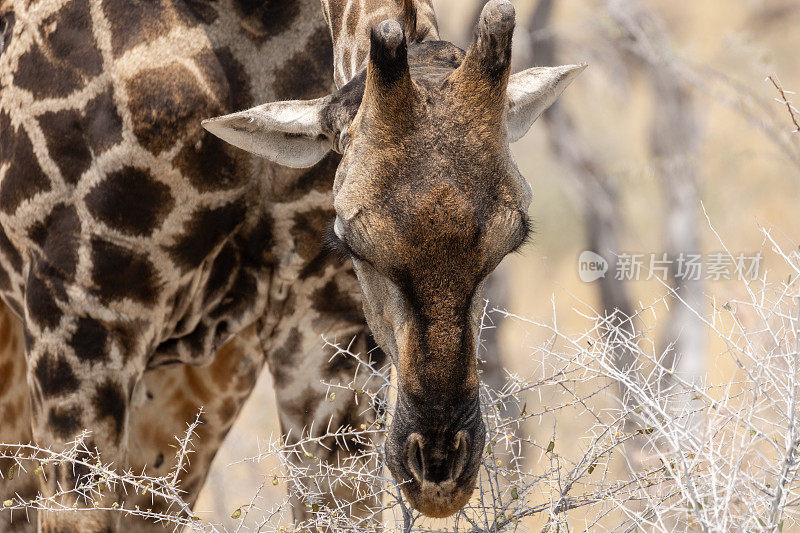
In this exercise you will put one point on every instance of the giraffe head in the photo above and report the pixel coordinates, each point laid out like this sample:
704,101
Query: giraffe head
428,202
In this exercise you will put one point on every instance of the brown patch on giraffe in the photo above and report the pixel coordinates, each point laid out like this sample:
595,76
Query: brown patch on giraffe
204,10
130,200
302,410
347,57
102,124
10,328
55,376
67,58
267,19
65,421
335,306
6,332
183,409
248,377
135,22
58,237
89,340
205,230
258,242
75,137
208,164
195,342
308,227
11,411
281,359
227,77
128,335
238,299
229,410
159,461
165,104
110,404
309,72
24,178
120,273
42,307
66,142
227,359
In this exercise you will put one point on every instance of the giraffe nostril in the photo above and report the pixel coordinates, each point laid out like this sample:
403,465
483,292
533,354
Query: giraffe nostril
414,457
460,454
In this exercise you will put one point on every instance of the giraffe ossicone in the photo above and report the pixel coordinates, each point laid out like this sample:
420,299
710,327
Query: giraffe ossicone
428,201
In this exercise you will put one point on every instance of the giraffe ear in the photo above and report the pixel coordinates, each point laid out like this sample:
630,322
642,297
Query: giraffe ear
532,91
289,133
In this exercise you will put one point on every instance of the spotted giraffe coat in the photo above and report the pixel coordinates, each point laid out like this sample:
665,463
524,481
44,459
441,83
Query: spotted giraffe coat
132,240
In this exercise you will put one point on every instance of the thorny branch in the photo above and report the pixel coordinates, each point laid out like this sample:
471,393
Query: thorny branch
740,472
787,103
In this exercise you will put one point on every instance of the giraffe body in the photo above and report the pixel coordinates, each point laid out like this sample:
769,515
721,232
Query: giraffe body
154,269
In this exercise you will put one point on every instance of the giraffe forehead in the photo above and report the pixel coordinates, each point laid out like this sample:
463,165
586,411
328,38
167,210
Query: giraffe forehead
430,173
427,226
433,216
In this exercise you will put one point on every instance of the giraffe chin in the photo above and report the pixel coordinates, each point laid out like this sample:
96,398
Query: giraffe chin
439,500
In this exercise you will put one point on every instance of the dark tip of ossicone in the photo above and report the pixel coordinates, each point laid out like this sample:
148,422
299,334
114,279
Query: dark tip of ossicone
388,52
491,50
498,17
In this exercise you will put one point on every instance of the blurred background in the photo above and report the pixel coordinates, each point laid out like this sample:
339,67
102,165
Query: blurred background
672,134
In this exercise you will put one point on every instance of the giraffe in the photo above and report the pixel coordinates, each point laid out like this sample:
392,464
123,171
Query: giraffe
428,201
146,268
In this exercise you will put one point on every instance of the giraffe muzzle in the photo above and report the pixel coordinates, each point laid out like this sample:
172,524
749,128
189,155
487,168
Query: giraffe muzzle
436,458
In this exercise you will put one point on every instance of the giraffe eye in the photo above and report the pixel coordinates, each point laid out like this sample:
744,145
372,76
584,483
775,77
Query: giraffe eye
338,228
334,239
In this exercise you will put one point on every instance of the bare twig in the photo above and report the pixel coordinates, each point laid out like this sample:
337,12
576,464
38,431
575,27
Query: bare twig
787,103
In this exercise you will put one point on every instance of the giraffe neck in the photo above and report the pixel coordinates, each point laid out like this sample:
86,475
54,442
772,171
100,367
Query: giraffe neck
350,22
